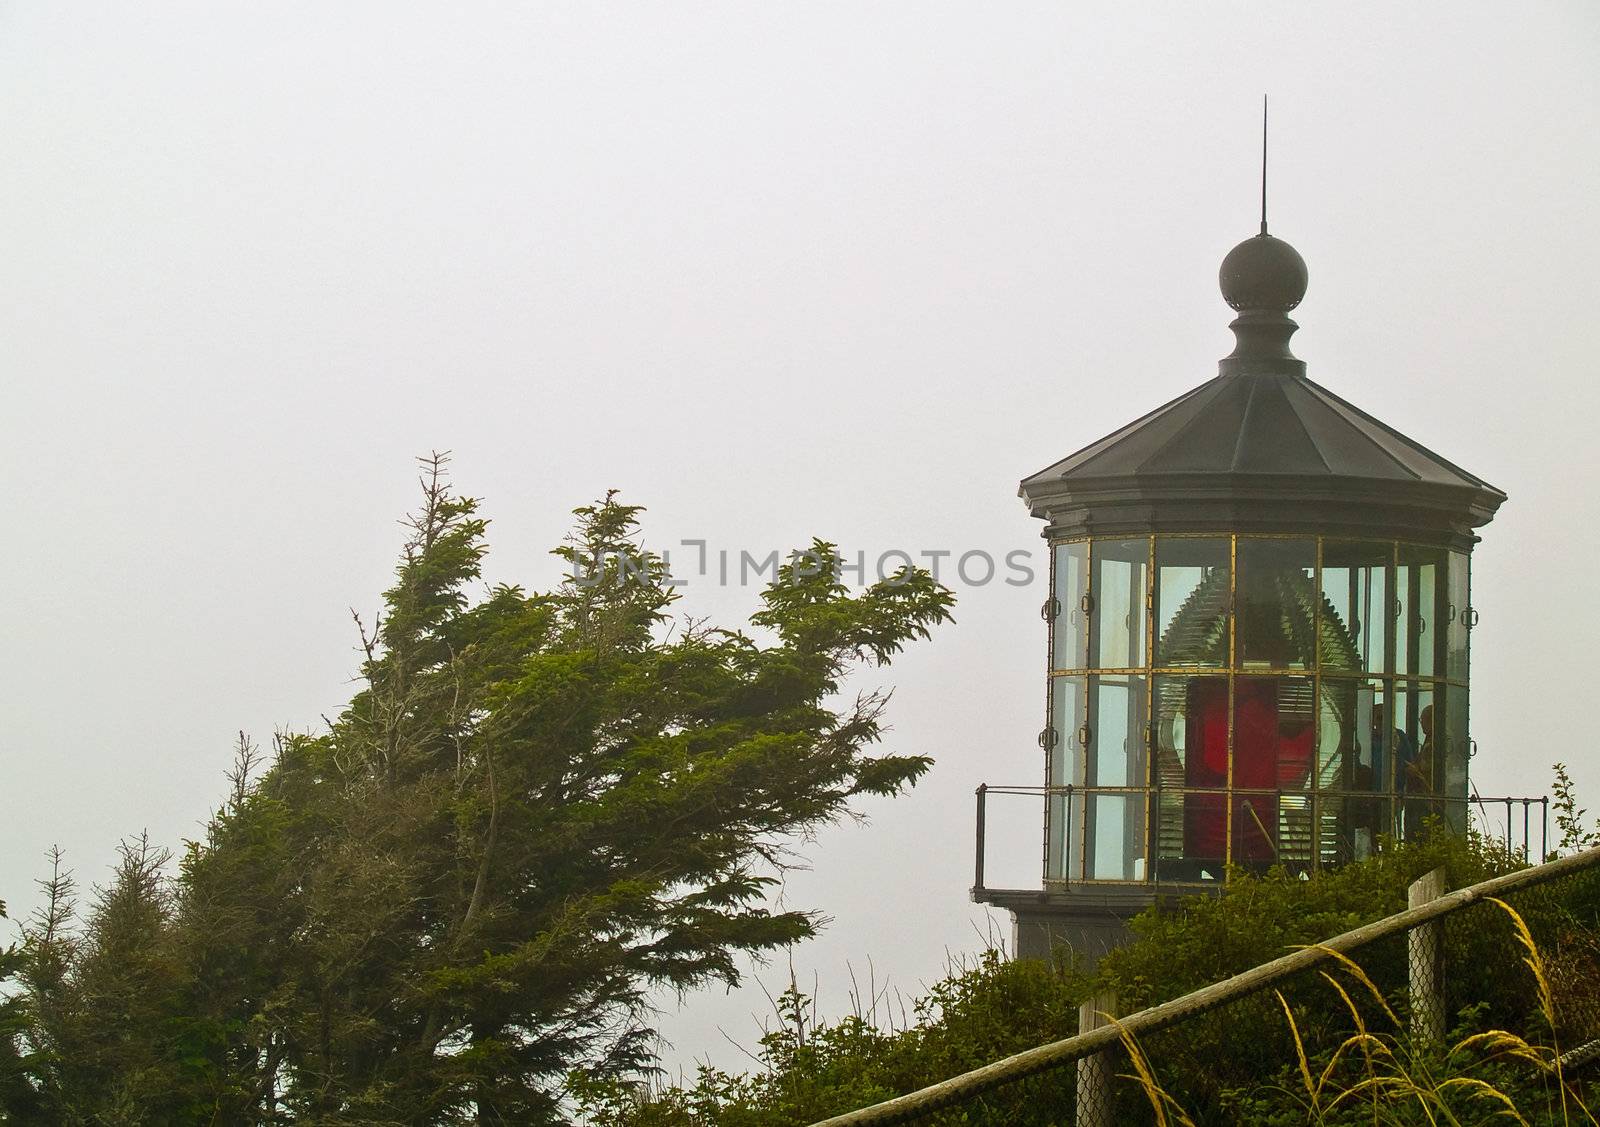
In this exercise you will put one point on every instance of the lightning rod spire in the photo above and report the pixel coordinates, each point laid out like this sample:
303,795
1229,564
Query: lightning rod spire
1263,164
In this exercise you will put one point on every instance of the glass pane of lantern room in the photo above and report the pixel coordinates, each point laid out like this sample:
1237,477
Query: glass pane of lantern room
1069,724
1385,747
1169,750
1116,837
1277,603
1455,614
1192,594
1348,827
1418,772
1191,770
1118,730
1113,827
1255,830
1183,853
1117,590
1274,744
1070,625
1274,738
1347,757
1457,750
1420,604
1295,835
1355,583
1064,837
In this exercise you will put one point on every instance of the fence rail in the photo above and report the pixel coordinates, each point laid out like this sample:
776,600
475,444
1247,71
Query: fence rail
1057,1054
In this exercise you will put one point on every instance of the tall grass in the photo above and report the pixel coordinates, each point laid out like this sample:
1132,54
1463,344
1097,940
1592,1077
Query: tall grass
1385,1078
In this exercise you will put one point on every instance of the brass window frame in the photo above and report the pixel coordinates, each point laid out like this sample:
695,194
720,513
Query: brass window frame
1388,680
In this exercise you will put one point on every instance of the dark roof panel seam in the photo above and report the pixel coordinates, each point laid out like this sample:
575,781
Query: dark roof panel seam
1300,421
1244,424
1334,400
1350,428
1054,469
1201,424
1111,441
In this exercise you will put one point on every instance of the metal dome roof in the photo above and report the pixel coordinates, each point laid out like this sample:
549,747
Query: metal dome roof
1262,448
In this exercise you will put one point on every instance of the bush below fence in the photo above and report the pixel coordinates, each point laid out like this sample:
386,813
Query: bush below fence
1218,1062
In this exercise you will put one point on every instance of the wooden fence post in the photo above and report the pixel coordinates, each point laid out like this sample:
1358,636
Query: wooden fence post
1425,947
1094,1104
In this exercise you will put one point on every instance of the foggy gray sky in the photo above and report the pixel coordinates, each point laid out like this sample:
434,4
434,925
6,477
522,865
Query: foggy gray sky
772,270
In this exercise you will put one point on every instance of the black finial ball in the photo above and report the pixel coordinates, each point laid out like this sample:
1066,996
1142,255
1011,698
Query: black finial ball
1263,273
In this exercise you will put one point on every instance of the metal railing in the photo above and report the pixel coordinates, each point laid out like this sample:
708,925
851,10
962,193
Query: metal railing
1489,809
1418,927
1496,818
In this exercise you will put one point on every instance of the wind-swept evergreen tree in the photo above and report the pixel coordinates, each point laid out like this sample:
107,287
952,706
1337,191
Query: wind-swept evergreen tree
537,808
104,1004
24,1075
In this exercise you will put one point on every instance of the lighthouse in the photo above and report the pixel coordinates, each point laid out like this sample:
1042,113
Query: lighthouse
1259,624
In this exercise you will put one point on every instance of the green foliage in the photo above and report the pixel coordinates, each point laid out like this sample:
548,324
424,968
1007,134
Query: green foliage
986,1009
536,808
103,1007
1259,918
1232,1065
22,1064
1379,1076
1204,939
1575,835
